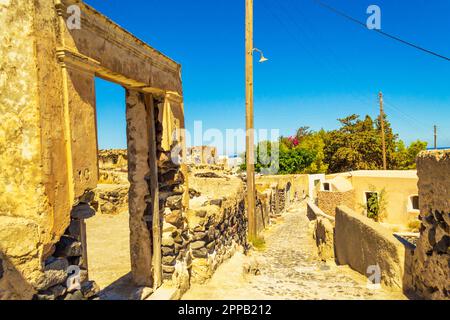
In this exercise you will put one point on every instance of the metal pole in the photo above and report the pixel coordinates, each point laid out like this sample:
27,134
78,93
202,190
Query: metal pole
249,119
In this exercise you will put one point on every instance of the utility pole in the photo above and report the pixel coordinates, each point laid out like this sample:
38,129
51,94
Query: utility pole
435,137
383,138
250,138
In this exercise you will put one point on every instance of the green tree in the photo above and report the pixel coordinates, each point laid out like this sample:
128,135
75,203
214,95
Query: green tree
405,158
356,145
295,160
276,157
315,143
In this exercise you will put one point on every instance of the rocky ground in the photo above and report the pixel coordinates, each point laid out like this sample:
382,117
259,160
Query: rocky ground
289,269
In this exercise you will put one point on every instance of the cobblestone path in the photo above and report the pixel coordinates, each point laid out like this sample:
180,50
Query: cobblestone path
289,269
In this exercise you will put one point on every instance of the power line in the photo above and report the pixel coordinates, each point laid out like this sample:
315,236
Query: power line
336,11
325,63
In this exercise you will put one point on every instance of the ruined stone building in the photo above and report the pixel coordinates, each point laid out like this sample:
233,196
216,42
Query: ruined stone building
202,155
50,162
48,142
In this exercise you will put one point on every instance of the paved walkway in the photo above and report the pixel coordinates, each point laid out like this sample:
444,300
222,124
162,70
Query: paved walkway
289,269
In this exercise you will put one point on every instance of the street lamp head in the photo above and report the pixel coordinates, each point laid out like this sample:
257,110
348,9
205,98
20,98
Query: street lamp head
263,59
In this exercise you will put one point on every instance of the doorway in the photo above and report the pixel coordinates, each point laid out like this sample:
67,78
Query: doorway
108,233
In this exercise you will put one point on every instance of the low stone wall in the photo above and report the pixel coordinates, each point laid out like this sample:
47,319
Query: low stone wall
328,201
66,269
263,210
117,158
431,274
323,231
217,222
363,244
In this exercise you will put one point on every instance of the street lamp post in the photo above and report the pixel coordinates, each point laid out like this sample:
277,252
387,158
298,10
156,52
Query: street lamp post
250,131
250,135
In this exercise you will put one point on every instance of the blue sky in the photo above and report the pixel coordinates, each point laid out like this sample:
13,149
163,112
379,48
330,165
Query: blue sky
322,67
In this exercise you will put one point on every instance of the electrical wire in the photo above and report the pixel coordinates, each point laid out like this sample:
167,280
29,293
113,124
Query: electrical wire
342,14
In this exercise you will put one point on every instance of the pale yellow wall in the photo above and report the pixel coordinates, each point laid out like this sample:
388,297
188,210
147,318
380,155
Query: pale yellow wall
33,182
299,183
398,191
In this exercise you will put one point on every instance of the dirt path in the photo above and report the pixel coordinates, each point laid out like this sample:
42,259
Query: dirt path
109,255
289,270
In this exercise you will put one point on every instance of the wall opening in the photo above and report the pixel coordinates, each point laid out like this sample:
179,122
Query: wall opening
414,203
326,186
372,203
108,233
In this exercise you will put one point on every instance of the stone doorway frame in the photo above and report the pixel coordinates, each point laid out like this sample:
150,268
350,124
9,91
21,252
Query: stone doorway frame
103,49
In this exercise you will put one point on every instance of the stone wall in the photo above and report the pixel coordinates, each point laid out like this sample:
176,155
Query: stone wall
217,222
431,279
112,190
323,231
328,201
113,159
66,269
172,192
34,207
263,210
362,243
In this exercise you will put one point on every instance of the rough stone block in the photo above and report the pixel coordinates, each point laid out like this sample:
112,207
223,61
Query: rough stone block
174,202
89,289
200,253
168,260
57,291
68,247
74,229
175,217
75,296
167,240
50,278
197,245
57,264
82,211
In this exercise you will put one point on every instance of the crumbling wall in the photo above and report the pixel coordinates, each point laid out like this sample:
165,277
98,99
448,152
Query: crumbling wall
33,184
113,159
66,269
48,147
431,277
263,210
328,201
113,185
323,231
217,222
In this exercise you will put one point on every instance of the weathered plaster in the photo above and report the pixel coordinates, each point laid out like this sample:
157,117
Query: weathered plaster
48,147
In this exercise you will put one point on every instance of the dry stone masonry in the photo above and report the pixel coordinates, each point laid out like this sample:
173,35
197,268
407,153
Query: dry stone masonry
431,278
69,259
329,201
